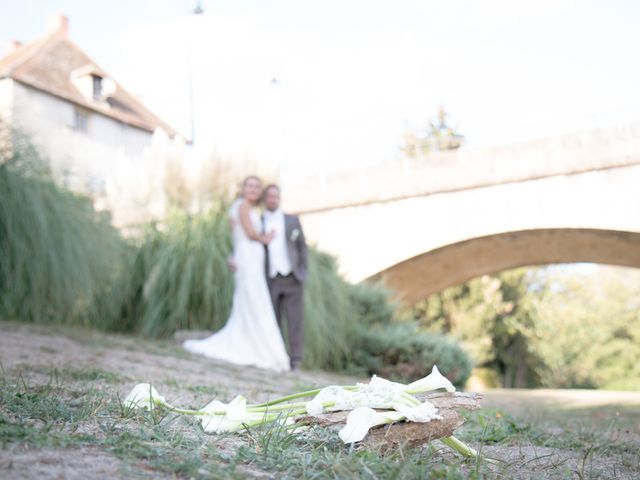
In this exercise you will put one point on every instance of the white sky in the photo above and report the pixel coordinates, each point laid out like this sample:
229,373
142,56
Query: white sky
353,75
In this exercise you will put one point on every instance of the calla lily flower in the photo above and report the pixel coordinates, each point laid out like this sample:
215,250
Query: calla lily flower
314,406
394,401
332,398
144,396
423,413
215,407
433,381
362,419
381,393
378,393
382,383
233,418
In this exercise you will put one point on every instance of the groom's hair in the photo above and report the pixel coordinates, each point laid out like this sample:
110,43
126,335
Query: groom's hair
270,186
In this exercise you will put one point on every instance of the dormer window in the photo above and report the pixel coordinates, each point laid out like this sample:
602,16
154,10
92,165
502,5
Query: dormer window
93,84
97,87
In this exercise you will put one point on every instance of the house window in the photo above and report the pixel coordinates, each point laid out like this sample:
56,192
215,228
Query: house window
97,87
80,120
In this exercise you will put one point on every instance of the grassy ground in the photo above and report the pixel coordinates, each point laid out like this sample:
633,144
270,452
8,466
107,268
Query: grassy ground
60,417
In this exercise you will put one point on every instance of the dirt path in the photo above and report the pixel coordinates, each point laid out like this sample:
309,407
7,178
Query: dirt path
34,350
115,363
88,359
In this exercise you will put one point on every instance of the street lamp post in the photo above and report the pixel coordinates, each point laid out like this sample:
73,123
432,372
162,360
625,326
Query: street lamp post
197,10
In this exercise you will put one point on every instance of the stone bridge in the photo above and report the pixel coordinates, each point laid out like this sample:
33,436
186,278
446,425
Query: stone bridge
421,225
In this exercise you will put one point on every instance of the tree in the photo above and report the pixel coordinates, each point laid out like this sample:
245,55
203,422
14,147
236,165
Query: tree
554,327
494,319
439,136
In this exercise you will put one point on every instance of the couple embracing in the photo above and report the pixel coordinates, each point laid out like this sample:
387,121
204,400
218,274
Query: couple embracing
269,262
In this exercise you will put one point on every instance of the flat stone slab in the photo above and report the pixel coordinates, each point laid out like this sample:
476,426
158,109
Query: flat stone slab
410,434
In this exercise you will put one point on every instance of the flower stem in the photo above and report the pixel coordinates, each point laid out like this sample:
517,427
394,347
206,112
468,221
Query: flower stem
182,410
282,413
460,447
308,393
277,408
410,398
293,396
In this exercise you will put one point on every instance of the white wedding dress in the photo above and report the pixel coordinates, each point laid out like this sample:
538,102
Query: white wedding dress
251,335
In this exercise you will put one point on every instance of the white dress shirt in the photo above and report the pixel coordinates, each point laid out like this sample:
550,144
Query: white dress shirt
279,262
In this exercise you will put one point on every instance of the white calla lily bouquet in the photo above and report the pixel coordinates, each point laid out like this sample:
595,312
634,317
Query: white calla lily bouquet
379,402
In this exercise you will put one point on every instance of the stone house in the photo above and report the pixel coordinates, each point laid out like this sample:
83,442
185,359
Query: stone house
99,139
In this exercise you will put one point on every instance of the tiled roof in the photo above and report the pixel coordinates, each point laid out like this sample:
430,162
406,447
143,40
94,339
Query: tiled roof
48,63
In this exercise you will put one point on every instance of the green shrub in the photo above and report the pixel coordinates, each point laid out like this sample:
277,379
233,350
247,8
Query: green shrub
400,351
372,303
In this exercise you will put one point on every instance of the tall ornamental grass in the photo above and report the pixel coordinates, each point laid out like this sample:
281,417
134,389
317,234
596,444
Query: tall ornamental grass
330,315
180,278
60,260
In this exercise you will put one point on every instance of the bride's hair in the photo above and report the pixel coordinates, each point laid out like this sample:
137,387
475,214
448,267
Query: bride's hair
244,182
250,177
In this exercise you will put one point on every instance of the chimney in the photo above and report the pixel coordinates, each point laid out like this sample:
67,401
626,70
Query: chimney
57,23
12,46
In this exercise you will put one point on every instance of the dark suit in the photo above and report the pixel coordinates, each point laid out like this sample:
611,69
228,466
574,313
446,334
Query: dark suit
287,292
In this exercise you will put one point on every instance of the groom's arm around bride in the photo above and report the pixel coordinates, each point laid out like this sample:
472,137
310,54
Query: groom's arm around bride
286,270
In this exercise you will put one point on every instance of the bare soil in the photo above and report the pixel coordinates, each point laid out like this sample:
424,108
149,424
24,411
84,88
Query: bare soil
31,352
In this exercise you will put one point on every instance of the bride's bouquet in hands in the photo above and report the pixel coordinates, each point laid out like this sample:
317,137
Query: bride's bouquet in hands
366,406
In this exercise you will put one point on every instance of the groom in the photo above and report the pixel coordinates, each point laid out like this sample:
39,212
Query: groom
286,269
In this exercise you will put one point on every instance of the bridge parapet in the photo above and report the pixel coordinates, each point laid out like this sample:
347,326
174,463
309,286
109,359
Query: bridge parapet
464,169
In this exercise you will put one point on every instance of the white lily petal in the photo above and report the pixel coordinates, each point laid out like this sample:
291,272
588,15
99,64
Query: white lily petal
379,382
433,381
423,413
378,393
223,423
144,396
230,417
219,424
214,407
361,420
237,408
327,394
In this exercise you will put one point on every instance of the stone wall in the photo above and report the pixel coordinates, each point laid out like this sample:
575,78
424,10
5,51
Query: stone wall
465,169
370,238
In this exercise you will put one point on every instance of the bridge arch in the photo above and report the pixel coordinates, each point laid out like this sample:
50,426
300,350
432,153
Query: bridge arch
420,276
565,199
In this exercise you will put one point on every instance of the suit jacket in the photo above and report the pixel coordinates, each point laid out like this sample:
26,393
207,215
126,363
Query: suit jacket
297,249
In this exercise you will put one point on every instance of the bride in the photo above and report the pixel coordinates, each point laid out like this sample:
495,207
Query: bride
251,335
